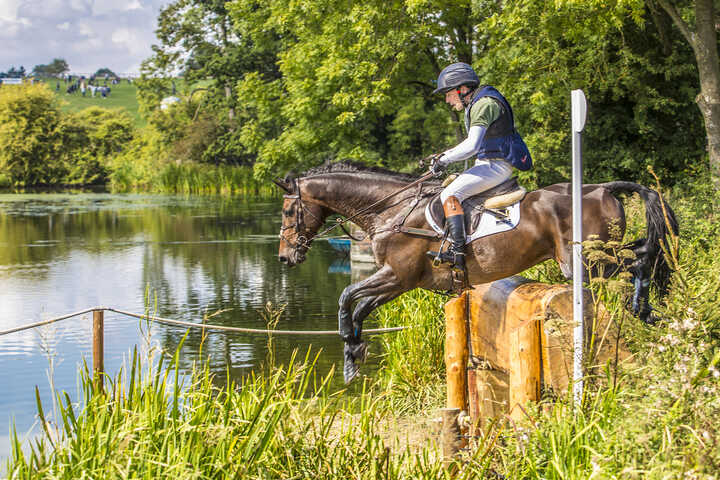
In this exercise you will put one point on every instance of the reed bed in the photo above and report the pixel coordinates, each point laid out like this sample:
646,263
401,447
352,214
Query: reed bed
187,178
158,422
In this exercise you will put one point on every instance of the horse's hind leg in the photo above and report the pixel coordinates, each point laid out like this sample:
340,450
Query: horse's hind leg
381,282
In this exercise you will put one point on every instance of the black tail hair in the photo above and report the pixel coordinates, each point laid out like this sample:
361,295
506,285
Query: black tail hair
657,231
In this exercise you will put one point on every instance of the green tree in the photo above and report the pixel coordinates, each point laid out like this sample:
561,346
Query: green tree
54,69
29,134
102,72
90,138
699,22
638,83
356,79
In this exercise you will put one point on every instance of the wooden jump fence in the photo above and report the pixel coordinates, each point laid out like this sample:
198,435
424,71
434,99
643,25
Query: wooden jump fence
508,343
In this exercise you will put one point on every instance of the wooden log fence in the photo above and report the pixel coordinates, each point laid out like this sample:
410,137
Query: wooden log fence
508,343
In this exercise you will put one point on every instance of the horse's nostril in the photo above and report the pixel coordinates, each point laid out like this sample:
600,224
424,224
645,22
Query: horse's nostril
282,259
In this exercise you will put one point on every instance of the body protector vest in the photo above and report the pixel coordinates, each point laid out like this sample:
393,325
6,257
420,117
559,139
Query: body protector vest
501,140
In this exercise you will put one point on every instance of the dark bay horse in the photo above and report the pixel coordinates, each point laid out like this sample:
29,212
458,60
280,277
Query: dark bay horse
544,232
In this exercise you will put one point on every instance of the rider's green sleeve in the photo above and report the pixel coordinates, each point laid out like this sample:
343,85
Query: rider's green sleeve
484,112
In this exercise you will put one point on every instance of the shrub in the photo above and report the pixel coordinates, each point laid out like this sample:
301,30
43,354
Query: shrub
30,136
89,138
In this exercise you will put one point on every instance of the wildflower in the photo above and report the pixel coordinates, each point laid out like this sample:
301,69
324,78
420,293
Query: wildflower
625,276
598,256
627,254
593,244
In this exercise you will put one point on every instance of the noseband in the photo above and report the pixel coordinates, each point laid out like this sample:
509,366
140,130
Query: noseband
303,238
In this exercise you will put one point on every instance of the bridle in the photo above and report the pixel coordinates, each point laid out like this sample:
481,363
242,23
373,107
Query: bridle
303,237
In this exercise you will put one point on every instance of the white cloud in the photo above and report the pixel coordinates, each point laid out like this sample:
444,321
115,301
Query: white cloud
89,34
134,5
8,9
84,30
102,7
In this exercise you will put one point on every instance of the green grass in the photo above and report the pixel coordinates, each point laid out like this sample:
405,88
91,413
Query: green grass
122,95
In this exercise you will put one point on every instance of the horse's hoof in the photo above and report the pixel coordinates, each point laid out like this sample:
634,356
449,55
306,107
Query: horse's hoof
353,353
650,319
350,371
360,352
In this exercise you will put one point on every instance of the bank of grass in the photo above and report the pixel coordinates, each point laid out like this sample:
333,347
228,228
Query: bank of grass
122,96
656,417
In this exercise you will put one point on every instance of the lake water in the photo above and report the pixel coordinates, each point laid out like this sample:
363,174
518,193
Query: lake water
182,256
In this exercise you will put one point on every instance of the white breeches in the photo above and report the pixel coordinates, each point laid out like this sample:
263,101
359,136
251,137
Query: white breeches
486,173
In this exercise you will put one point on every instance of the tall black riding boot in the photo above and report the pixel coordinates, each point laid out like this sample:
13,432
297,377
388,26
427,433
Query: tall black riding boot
455,254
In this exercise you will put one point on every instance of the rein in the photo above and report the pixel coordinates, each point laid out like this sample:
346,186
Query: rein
303,242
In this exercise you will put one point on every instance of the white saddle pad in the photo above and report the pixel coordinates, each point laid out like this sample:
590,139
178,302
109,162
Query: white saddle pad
489,223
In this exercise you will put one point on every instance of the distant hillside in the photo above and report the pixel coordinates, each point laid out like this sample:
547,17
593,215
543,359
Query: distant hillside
121,95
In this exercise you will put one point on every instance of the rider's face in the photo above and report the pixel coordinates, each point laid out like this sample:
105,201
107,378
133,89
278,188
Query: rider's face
453,99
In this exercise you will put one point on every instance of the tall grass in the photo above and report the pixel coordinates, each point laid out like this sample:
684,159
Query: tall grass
282,424
412,365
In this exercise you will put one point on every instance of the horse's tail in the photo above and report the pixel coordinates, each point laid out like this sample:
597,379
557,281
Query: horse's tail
660,222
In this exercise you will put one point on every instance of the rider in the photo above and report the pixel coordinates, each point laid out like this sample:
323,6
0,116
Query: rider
489,125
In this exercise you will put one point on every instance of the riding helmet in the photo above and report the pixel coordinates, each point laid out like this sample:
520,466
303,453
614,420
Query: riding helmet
455,76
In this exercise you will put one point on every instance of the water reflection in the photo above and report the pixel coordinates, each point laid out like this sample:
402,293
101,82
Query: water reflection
181,257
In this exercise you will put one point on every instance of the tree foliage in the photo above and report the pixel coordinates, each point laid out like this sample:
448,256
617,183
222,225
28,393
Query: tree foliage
638,78
293,83
41,145
29,133
54,69
104,71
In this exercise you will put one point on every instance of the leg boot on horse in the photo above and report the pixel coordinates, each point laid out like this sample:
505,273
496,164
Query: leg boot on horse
455,254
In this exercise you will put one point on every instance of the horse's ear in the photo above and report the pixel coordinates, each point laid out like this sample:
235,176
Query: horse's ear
283,184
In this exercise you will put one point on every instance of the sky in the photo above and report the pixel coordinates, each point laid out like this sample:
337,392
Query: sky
88,34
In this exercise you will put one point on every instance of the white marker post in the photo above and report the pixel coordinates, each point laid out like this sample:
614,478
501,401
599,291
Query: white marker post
579,111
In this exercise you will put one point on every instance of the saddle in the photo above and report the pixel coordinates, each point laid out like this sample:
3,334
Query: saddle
492,201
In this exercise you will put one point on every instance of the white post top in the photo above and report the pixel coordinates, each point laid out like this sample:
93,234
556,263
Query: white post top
579,110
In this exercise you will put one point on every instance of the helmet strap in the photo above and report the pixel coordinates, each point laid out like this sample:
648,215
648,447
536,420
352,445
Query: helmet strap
463,98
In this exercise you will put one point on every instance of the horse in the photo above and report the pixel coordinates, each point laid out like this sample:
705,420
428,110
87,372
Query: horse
367,196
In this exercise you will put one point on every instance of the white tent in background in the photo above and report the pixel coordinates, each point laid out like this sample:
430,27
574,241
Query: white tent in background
167,101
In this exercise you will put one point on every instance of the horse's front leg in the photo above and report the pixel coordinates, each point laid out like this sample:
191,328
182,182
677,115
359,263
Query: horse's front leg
377,289
354,352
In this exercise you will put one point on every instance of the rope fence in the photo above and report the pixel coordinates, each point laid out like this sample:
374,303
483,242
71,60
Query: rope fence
99,329
169,321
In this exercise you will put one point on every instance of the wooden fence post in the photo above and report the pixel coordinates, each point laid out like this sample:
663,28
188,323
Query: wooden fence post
98,348
456,359
456,352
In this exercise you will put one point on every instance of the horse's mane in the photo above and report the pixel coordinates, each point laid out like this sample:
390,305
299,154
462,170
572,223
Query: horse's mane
349,166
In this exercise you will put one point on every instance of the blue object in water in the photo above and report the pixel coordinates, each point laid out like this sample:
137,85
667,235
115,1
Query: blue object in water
340,244
340,265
